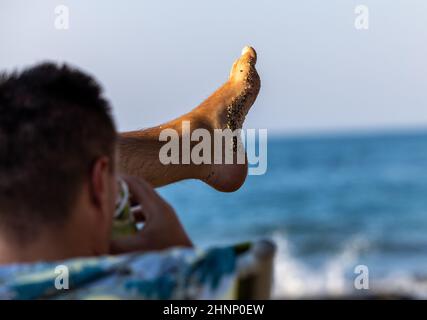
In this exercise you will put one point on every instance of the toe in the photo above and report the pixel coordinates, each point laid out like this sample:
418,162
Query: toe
249,54
242,66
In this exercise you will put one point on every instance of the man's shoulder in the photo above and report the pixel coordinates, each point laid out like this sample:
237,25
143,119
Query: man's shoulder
156,275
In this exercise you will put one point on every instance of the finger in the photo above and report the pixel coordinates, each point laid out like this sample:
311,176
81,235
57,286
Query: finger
137,190
147,187
138,213
143,194
150,191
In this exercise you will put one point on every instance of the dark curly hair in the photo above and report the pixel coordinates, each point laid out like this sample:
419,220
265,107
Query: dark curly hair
54,124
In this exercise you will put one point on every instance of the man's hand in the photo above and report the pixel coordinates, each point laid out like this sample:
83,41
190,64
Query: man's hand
161,230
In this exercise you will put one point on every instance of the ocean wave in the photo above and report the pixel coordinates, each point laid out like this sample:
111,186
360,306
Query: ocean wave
334,278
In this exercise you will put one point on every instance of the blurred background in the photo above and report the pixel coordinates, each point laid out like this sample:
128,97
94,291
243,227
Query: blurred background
345,110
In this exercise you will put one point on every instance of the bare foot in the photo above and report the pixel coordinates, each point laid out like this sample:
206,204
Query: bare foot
227,109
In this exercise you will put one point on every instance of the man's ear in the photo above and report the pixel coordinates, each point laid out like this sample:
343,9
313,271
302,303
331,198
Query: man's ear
99,182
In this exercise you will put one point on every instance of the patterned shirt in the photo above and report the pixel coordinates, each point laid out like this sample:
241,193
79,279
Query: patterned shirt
172,274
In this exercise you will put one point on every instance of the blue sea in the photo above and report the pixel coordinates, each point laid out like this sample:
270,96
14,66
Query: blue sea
330,202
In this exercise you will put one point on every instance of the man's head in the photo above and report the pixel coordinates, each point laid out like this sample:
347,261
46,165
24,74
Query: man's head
57,157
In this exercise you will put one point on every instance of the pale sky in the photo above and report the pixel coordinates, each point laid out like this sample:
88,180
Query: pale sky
158,59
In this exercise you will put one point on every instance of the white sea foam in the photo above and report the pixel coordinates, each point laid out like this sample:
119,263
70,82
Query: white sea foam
404,285
296,279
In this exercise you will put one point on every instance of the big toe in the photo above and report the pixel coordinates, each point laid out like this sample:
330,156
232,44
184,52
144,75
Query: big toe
249,54
242,66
